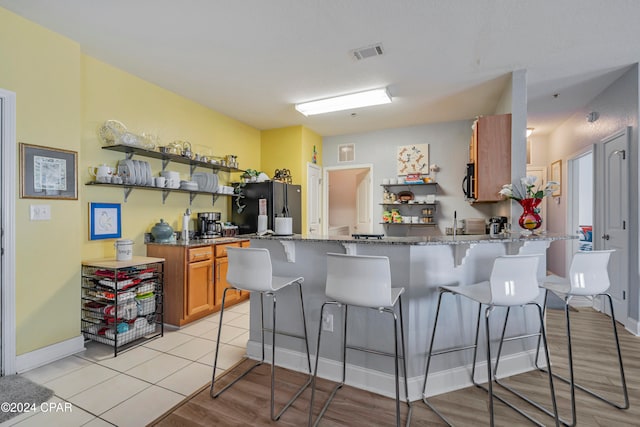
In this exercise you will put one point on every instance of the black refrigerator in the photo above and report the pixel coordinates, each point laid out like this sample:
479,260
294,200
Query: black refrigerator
281,200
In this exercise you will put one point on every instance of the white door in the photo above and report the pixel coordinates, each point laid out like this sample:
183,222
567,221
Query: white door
8,172
314,199
363,203
615,217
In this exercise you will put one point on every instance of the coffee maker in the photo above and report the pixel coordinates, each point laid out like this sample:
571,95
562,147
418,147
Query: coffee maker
501,222
209,225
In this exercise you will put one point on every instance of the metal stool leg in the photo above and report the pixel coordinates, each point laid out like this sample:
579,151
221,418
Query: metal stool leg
215,359
571,380
404,363
543,336
273,354
429,355
315,372
487,313
273,415
398,321
489,387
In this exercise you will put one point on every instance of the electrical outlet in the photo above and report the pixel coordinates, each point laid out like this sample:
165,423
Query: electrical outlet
327,322
39,212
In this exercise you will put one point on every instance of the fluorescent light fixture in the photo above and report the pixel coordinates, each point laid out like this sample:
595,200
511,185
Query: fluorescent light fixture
529,132
345,102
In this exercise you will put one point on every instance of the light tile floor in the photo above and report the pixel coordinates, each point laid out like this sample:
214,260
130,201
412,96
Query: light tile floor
93,388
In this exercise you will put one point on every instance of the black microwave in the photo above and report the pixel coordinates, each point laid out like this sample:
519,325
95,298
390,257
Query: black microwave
468,182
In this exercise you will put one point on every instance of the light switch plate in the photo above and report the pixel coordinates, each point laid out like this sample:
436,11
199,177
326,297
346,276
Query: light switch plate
40,212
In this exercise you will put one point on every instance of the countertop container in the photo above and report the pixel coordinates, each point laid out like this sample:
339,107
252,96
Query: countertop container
162,232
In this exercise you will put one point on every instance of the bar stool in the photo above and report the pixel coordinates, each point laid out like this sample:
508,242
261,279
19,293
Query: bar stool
512,283
250,270
362,281
588,277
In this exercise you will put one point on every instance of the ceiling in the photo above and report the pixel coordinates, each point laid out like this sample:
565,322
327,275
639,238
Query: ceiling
443,60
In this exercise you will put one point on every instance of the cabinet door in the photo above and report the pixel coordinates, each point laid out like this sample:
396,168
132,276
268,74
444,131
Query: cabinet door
493,161
222,265
198,289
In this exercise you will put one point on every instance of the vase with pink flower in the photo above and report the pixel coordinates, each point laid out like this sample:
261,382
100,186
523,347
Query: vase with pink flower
529,196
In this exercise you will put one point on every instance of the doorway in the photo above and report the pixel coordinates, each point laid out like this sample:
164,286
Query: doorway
8,173
348,195
580,215
580,209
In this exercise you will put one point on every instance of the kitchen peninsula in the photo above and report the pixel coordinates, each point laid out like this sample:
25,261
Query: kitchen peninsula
420,265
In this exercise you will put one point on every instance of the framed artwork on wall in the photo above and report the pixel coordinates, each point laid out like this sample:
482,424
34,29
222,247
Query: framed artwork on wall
48,173
556,175
104,221
413,159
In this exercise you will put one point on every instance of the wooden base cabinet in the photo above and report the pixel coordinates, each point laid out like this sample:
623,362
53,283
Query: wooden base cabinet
222,265
195,280
199,287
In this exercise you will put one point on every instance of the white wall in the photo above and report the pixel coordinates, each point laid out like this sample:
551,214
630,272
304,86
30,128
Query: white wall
618,108
342,197
448,147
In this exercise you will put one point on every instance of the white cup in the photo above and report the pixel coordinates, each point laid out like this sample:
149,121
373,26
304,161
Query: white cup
385,181
161,181
393,181
414,219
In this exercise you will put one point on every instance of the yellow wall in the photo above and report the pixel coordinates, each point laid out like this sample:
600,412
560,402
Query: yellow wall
43,69
282,149
62,97
291,148
110,93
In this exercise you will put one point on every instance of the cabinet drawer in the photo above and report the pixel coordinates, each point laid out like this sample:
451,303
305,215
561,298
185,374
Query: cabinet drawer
200,254
221,250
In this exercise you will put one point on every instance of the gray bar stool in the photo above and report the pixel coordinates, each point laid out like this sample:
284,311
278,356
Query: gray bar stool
512,283
250,270
362,281
588,277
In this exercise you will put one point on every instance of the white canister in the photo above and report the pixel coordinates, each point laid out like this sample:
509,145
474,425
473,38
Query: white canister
262,223
124,249
284,226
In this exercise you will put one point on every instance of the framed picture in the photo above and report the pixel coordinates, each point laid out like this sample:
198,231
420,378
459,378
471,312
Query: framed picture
104,221
556,175
413,159
48,173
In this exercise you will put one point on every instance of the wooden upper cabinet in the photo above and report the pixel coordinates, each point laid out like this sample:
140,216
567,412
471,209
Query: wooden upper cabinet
490,150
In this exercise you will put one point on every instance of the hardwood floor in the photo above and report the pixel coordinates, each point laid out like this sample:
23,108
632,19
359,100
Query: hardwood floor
247,402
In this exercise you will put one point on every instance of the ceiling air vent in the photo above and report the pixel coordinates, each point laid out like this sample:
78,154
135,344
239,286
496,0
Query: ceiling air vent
367,51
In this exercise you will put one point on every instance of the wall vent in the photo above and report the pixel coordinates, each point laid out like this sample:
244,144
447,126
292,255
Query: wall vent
346,153
367,51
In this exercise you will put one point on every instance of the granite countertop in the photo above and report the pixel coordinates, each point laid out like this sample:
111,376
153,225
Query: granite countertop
194,243
421,240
